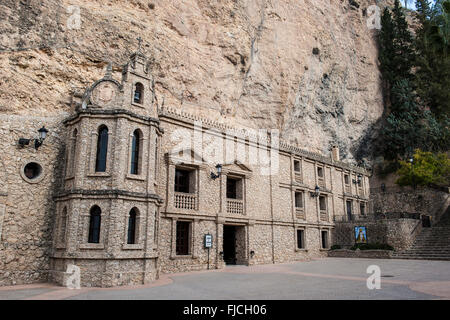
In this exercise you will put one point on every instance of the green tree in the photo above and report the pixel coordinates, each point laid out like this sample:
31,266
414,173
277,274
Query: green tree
427,168
395,50
432,63
402,129
403,45
410,126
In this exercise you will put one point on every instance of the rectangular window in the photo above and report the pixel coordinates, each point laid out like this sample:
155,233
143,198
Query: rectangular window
182,241
299,199
234,188
323,203
182,180
300,239
346,179
296,166
324,239
349,210
362,207
320,172
231,188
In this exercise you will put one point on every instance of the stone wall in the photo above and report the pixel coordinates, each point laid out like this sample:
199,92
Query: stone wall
399,233
422,200
27,209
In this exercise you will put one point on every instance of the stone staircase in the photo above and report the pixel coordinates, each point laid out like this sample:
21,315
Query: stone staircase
431,244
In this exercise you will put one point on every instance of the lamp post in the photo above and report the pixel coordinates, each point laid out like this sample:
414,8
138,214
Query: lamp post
37,141
358,181
411,160
214,176
316,192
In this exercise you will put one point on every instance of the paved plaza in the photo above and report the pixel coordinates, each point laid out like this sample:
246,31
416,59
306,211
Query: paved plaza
328,278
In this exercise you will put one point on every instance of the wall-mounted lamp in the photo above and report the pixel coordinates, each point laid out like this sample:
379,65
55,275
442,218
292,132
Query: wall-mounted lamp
316,192
37,141
214,176
357,181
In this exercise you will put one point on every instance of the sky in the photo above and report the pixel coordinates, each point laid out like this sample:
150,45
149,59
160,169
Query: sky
412,4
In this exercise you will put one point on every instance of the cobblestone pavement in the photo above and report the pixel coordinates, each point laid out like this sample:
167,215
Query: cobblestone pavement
328,278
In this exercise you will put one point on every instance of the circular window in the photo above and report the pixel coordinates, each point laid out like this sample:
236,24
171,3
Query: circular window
32,172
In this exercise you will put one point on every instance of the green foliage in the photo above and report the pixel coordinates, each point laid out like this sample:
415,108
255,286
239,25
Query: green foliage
372,246
387,167
386,50
335,247
403,44
427,168
432,63
409,126
416,80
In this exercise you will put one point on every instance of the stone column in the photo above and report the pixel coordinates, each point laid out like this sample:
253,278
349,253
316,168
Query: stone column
219,243
173,236
2,212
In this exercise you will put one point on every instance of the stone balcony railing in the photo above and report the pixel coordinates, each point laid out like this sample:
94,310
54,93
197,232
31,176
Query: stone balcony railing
186,201
300,213
321,183
323,215
235,206
361,191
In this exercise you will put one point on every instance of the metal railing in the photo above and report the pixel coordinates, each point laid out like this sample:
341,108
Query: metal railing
378,216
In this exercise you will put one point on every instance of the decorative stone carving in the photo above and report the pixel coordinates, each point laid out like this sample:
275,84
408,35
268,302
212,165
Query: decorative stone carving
105,94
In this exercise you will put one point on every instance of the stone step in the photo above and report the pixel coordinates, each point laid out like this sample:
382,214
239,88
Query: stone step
426,253
429,248
423,258
408,253
421,255
431,244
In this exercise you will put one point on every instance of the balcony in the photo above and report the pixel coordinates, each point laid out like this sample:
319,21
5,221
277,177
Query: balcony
323,215
321,183
235,206
300,213
298,177
360,191
186,201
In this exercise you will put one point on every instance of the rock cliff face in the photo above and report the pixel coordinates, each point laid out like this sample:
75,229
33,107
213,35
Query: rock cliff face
305,67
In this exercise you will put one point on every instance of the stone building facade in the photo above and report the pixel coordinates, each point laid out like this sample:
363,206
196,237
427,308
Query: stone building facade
125,189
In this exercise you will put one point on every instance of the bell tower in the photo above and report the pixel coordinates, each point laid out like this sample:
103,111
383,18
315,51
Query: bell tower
138,84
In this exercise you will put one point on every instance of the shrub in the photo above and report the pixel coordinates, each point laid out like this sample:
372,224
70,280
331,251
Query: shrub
372,246
335,247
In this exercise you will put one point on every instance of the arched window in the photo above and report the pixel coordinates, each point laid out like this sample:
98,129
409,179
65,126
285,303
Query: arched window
94,224
102,149
131,238
135,149
138,96
62,228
